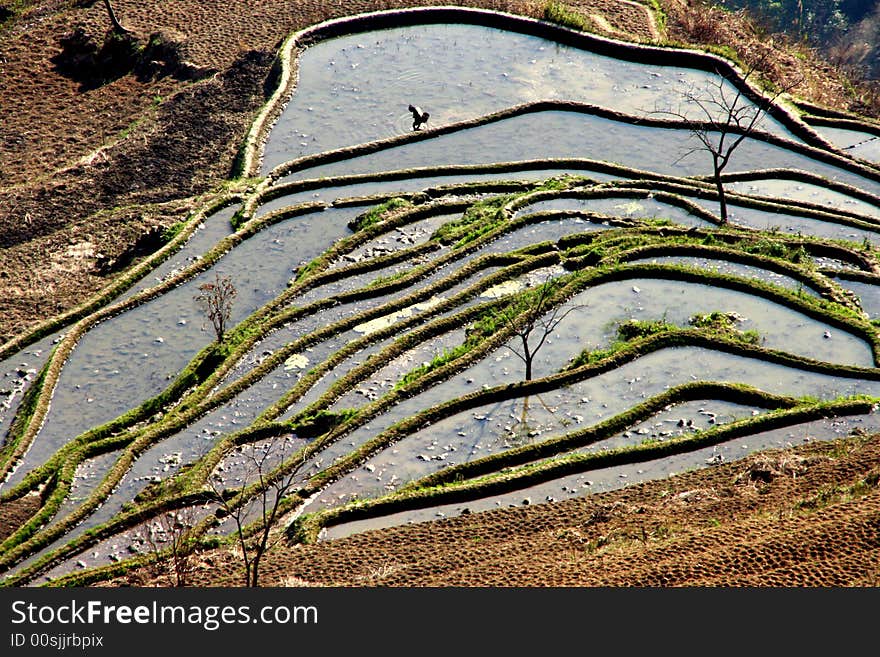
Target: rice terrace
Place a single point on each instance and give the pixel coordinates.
(601, 308)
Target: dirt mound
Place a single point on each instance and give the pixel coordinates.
(92, 65)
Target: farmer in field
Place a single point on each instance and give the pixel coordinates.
(419, 117)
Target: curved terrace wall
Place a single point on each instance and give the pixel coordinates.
(432, 15)
(209, 380)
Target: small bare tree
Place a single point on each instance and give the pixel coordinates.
(215, 299)
(256, 508)
(532, 318)
(172, 541)
(728, 118)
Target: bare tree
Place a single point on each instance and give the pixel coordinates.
(728, 117)
(532, 318)
(215, 299)
(257, 507)
(172, 541)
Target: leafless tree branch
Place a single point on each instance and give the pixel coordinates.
(271, 486)
(530, 317)
(215, 300)
(731, 118)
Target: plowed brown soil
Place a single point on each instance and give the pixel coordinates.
(809, 516)
(86, 170)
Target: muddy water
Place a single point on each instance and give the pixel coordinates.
(679, 420)
(733, 268)
(788, 224)
(214, 228)
(802, 191)
(333, 375)
(30, 360)
(596, 313)
(17, 374)
(606, 479)
(550, 230)
(384, 380)
(88, 475)
(835, 265)
(791, 224)
(859, 144)
(584, 328)
(507, 425)
(356, 88)
(403, 237)
(387, 376)
(166, 458)
(330, 192)
(380, 382)
(288, 333)
(636, 208)
(598, 310)
(209, 232)
(563, 134)
(157, 463)
(131, 357)
(869, 295)
(145, 538)
(545, 231)
(475, 434)
(496, 427)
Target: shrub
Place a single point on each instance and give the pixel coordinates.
(558, 13)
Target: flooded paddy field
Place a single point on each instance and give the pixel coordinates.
(515, 304)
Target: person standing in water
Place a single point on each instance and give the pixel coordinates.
(419, 117)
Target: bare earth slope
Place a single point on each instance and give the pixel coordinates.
(87, 171)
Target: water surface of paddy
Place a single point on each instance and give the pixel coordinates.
(356, 88)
